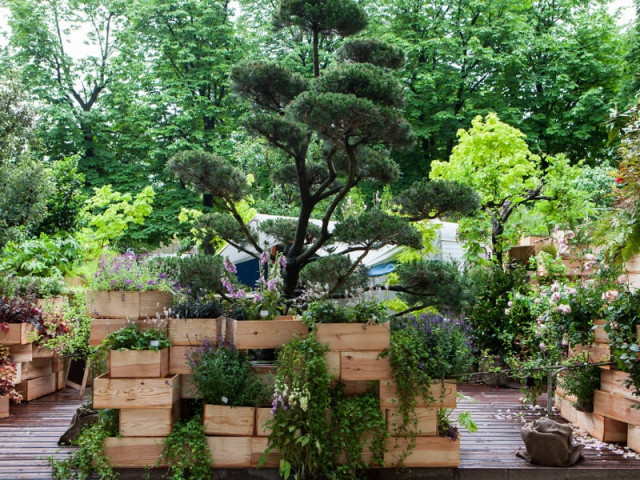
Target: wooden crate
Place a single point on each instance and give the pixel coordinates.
(616, 407)
(138, 363)
(443, 393)
(188, 387)
(332, 359)
(41, 352)
(600, 335)
(21, 353)
(135, 392)
(364, 366)
(602, 428)
(38, 367)
(60, 380)
(58, 363)
(101, 327)
(4, 406)
(354, 337)
(598, 352)
(427, 418)
(229, 421)
(193, 331)
(143, 422)
(178, 359)
(51, 304)
(230, 452)
(134, 452)
(612, 381)
(263, 415)
(133, 305)
(37, 387)
(633, 437)
(533, 240)
(428, 452)
(258, 446)
(255, 334)
(15, 334)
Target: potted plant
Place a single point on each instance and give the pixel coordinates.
(230, 388)
(8, 376)
(18, 318)
(360, 325)
(128, 286)
(250, 308)
(138, 352)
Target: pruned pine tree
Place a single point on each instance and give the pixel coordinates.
(336, 130)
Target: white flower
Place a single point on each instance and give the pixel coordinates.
(555, 296)
(610, 295)
(564, 309)
(542, 346)
(622, 279)
(510, 304)
(537, 301)
(507, 311)
(555, 286)
(590, 257)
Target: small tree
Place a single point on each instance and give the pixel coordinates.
(494, 159)
(336, 131)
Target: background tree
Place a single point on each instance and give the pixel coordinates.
(335, 131)
(549, 68)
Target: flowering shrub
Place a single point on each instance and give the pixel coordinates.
(129, 272)
(8, 371)
(225, 376)
(265, 301)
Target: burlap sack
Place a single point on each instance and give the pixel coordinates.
(549, 443)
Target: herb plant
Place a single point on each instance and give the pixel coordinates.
(225, 376)
(129, 272)
(363, 311)
(133, 337)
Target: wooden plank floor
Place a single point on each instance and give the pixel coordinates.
(30, 435)
(500, 416)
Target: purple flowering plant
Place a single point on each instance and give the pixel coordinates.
(263, 302)
(129, 272)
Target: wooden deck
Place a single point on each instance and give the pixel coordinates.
(30, 435)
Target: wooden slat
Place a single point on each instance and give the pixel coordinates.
(193, 331)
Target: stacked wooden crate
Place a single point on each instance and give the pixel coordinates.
(237, 436)
(620, 403)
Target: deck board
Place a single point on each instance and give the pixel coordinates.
(31, 433)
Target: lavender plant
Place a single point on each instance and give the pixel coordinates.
(129, 272)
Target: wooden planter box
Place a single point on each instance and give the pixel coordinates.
(428, 452)
(616, 407)
(256, 334)
(178, 359)
(4, 406)
(602, 428)
(101, 327)
(16, 334)
(229, 421)
(53, 304)
(38, 367)
(444, 394)
(364, 366)
(258, 446)
(134, 305)
(600, 335)
(135, 392)
(598, 352)
(192, 331)
(142, 422)
(230, 452)
(138, 363)
(21, 353)
(41, 352)
(427, 418)
(188, 388)
(37, 387)
(354, 337)
(612, 381)
(633, 438)
(263, 415)
(134, 452)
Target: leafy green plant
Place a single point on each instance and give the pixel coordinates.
(31, 286)
(133, 337)
(89, 458)
(358, 423)
(360, 311)
(225, 376)
(581, 380)
(186, 451)
(75, 342)
(199, 275)
(300, 428)
(45, 256)
(189, 307)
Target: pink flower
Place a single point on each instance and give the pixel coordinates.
(555, 296)
(622, 279)
(229, 267)
(264, 257)
(610, 295)
(564, 309)
(542, 346)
